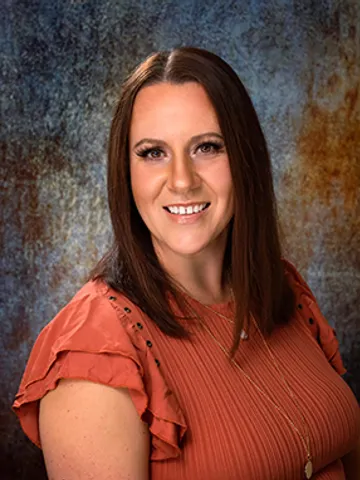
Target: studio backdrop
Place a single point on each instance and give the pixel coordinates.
(62, 62)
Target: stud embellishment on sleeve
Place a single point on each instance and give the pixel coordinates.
(157, 362)
(112, 298)
(311, 321)
(299, 306)
(127, 309)
(139, 325)
(148, 343)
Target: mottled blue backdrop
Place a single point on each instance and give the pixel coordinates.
(62, 64)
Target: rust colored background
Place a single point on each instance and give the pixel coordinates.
(62, 64)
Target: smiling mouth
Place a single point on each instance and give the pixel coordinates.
(190, 210)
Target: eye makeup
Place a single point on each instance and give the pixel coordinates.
(210, 147)
(148, 153)
(148, 149)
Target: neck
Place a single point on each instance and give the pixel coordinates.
(199, 275)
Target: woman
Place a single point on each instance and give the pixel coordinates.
(195, 351)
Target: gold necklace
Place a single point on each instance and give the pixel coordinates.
(243, 334)
(308, 469)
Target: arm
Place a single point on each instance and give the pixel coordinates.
(92, 431)
(351, 463)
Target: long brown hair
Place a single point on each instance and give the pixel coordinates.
(252, 261)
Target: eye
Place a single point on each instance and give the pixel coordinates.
(150, 153)
(210, 147)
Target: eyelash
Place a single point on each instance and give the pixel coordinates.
(145, 152)
(216, 148)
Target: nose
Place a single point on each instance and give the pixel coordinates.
(182, 175)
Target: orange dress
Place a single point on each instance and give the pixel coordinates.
(206, 420)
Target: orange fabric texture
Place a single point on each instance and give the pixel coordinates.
(206, 420)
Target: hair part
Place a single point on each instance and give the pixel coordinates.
(252, 261)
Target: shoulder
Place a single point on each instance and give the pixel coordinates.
(90, 323)
(308, 310)
(94, 321)
(81, 341)
(96, 313)
(97, 337)
(100, 290)
(99, 295)
(294, 277)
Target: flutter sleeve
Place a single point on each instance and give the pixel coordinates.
(91, 339)
(308, 307)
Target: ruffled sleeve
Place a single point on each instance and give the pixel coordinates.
(93, 339)
(308, 308)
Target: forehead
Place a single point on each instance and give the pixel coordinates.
(167, 107)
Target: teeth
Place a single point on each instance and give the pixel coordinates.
(187, 210)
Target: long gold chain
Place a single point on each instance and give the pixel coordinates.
(308, 470)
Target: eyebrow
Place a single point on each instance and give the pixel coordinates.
(196, 138)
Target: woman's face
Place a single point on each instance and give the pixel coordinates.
(180, 174)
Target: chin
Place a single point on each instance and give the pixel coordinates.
(185, 246)
(188, 249)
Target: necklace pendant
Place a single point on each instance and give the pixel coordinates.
(244, 335)
(308, 469)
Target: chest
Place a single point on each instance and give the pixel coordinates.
(254, 420)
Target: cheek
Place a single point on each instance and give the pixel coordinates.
(220, 180)
(144, 185)
(226, 180)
